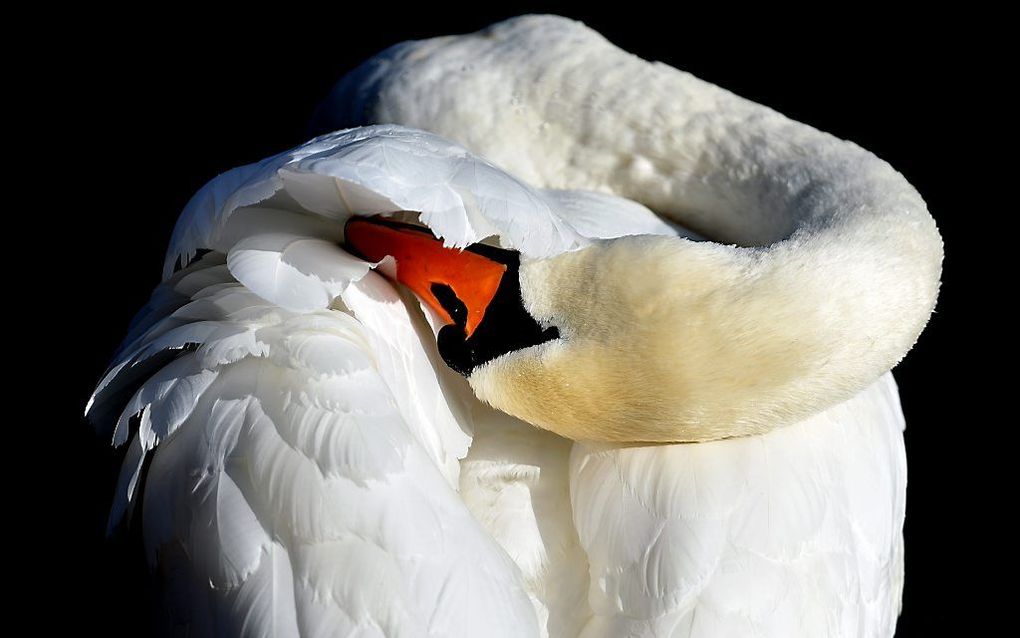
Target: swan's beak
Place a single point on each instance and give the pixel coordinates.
(475, 290)
(458, 284)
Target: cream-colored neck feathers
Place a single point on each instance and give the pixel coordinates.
(671, 340)
(827, 265)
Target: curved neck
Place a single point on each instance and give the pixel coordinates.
(824, 250)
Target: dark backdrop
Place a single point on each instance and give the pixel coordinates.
(147, 108)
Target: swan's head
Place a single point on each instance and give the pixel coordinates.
(647, 338)
(585, 344)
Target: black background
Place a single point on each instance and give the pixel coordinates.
(140, 111)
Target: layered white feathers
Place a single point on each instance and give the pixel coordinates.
(793, 533)
(302, 398)
(312, 469)
(298, 483)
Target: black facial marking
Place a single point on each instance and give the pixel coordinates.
(448, 299)
(507, 326)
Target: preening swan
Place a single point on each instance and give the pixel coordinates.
(593, 252)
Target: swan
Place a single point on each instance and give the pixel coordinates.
(634, 381)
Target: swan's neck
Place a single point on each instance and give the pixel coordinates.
(671, 340)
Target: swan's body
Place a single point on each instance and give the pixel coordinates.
(316, 469)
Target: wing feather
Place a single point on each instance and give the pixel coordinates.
(290, 256)
(283, 466)
(794, 533)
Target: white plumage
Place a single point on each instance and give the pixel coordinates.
(289, 490)
(315, 468)
(778, 535)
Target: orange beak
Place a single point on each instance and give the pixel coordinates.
(424, 265)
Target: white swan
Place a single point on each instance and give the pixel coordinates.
(316, 468)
